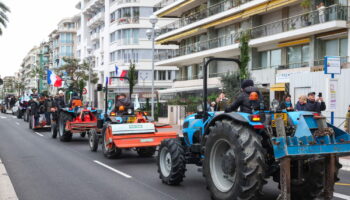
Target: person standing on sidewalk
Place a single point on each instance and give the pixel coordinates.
(347, 120)
(315, 105)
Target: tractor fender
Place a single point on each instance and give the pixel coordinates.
(228, 116)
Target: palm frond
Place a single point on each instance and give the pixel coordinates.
(4, 7)
(3, 22)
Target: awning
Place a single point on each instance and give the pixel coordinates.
(278, 87)
(184, 89)
(294, 42)
(175, 8)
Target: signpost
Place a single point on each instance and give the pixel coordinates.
(332, 66)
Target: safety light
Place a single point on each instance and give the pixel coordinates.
(121, 108)
(255, 118)
(129, 111)
(113, 114)
(145, 113)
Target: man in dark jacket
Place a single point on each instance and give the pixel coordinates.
(59, 101)
(122, 100)
(243, 102)
(315, 105)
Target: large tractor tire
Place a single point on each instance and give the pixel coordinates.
(312, 184)
(171, 162)
(146, 151)
(54, 130)
(93, 140)
(64, 135)
(109, 150)
(234, 164)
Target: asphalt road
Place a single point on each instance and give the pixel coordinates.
(42, 168)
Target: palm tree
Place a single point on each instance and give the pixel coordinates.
(3, 18)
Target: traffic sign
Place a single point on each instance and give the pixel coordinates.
(84, 91)
(332, 65)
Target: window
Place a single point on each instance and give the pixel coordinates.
(336, 47)
(276, 58)
(169, 75)
(263, 59)
(162, 75)
(298, 56)
(271, 58)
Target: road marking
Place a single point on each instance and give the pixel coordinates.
(39, 134)
(3, 117)
(112, 169)
(17, 123)
(341, 196)
(6, 188)
(14, 117)
(343, 184)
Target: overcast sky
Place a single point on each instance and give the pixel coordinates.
(31, 21)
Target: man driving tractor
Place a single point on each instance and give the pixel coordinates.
(122, 103)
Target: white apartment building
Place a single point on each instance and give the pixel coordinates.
(288, 40)
(113, 33)
(30, 62)
(62, 42)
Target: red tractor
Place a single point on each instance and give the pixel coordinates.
(74, 120)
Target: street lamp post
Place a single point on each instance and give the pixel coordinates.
(151, 34)
(89, 50)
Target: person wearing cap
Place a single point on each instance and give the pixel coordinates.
(243, 102)
(122, 100)
(59, 100)
(313, 104)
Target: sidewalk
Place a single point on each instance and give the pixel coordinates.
(345, 161)
(7, 192)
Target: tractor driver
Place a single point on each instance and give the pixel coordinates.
(250, 98)
(122, 101)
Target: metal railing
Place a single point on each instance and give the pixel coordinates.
(202, 14)
(127, 1)
(343, 60)
(164, 3)
(200, 76)
(127, 20)
(331, 13)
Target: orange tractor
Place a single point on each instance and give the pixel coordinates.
(127, 129)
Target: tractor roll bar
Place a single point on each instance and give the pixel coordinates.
(207, 61)
(106, 93)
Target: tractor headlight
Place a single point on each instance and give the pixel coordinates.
(129, 111)
(275, 104)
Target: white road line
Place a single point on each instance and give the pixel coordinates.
(6, 188)
(14, 117)
(112, 169)
(341, 196)
(39, 134)
(17, 123)
(3, 117)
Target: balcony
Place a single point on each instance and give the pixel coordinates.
(164, 3)
(127, 20)
(205, 13)
(200, 76)
(127, 1)
(260, 33)
(96, 20)
(95, 36)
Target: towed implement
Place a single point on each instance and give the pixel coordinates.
(240, 151)
(127, 129)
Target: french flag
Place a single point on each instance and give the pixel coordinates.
(119, 73)
(53, 79)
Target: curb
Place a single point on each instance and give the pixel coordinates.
(6, 188)
(345, 163)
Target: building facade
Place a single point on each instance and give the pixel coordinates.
(112, 33)
(29, 77)
(286, 38)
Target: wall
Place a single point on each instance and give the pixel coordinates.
(316, 81)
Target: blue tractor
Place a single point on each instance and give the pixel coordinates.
(240, 151)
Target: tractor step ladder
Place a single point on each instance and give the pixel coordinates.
(285, 167)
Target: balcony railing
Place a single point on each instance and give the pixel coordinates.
(127, 1)
(164, 3)
(331, 13)
(200, 76)
(126, 20)
(343, 60)
(300, 21)
(202, 14)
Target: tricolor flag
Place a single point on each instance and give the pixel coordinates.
(119, 73)
(53, 79)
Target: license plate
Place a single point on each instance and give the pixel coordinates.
(147, 140)
(131, 119)
(281, 115)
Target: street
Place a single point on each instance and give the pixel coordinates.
(42, 168)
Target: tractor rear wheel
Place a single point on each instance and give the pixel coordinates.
(93, 140)
(64, 135)
(171, 162)
(146, 151)
(53, 130)
(234, 164)
(109, 150)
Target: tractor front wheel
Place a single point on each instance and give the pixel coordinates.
(64, 135)
(93, 140)
(171, 162)
(234, 164)
(109, 150)
(146, 151)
